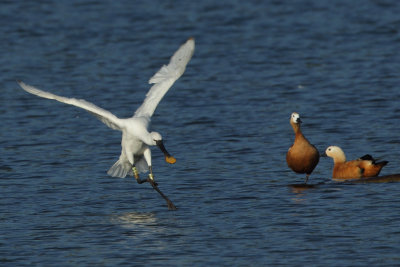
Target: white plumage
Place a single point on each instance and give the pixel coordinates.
(136, 137)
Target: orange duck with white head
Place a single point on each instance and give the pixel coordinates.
(364, 167)
(302, 156)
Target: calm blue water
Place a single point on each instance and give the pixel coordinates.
(226, 121)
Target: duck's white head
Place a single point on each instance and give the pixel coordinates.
(336, 153)
(157, 139)
(295, 118)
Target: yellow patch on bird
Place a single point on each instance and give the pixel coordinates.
(170, 159)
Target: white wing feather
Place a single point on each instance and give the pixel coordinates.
(165, 78)
(105, 116)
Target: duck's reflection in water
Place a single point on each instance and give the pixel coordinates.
(300, 190)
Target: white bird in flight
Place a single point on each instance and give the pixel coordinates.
(136, 139)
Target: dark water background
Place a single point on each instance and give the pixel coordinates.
(226, 120)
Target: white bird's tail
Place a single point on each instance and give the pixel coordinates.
(120, 169)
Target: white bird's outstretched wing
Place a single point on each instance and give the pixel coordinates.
(105, 116)
(165, 78)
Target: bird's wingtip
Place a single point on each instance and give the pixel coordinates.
(191, 43)
(22, 84)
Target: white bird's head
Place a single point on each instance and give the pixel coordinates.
(157, 138)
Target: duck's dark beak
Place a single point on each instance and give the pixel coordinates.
(299, 120)
(168, 158)
(323, 155)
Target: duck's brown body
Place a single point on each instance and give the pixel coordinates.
(302, 156)
(363, 167)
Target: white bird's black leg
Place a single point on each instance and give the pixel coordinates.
(151, 181)
(170, 205)
(136, 174)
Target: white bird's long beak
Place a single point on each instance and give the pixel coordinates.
(168, 158)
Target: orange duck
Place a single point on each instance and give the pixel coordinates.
(364, 167)
(302, 156)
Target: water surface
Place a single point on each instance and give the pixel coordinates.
(226, 121)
